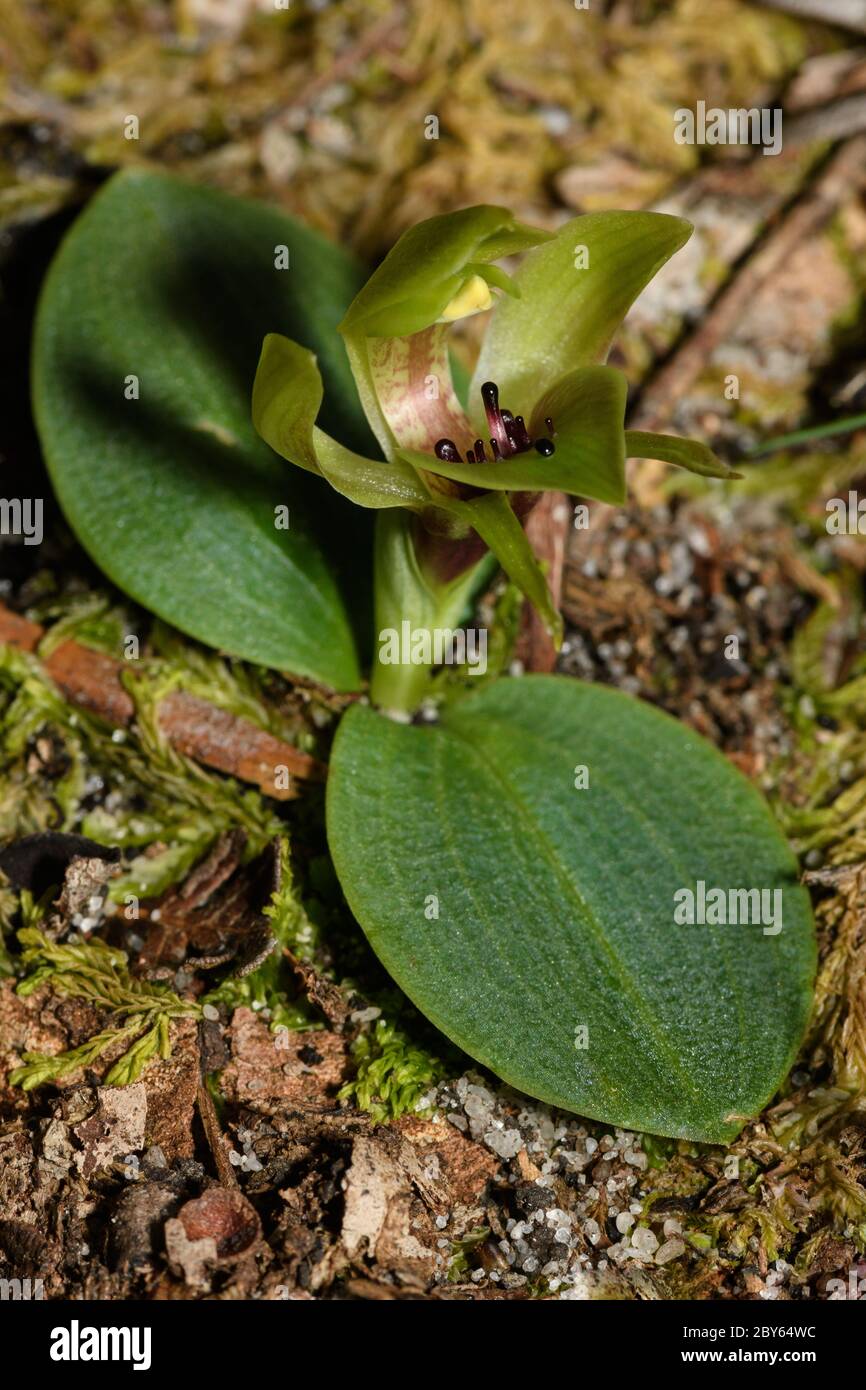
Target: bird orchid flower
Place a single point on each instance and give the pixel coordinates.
(459, 474)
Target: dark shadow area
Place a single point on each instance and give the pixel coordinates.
(25, 253)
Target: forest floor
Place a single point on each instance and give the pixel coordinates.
(309, 1135)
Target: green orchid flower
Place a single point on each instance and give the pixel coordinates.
(458, 479)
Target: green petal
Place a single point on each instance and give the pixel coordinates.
(567, 316)
(498, 527)
(429, 264)
(368, 482)
(287, 397)
(587, 409)
(684, 453)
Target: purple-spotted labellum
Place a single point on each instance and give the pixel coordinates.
(508, 434)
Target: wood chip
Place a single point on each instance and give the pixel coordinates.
(193, 726)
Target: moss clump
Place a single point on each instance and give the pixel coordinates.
(125, 788)
(264, 990)
(393, 1073)
(94, 971)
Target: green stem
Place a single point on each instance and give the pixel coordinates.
(405, 596)
(789, 441)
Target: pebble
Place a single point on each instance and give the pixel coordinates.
(645, 1241)
(591, 1230)
(671, 1250)
(506, 1142)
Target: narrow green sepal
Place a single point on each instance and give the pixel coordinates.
(287, 397)
(683, 453)
(492, 517)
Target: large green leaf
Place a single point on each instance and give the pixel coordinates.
(174, 494)
(556, 903)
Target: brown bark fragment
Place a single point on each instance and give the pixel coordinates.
(321, 992)
(217, 913)
(17, 631)
(217, 1142)
(547, 531)
(457, 1161)
(382, 1219)
(171, 1086)
(114, 1128)
(193, 726)
(305, 1068)
(230, 744)
(839, 181)
(92, 680)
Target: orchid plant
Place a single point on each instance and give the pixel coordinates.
(515, 861)
(458, 477)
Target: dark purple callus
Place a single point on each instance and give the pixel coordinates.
(448, 452)
(508, 434)
(496, 422)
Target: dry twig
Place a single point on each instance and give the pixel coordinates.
(193, 726)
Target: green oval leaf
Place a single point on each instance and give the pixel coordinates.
(173, 494)
(556, 904)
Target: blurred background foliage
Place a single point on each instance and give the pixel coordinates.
(322, 106)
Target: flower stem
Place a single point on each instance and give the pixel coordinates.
(408, 605)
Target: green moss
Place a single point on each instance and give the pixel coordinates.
(155, 794)
(96, 972)
(392, 1073)
(460, 1263)
(658, 1151)
(264, 990)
